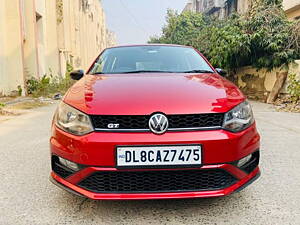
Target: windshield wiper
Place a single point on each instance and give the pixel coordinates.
(147, 71)
(198, 71)
(156, 71)
(135, 71)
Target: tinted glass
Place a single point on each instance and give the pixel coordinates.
(149, 59)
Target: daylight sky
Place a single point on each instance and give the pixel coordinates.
(134, 21)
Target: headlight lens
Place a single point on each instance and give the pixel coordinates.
(239, 118)
(72, 120)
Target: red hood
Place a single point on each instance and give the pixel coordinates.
(142, 94)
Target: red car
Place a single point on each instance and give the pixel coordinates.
(153, 122)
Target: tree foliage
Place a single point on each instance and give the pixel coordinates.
(182, 28)
(263, 38)
(268, 31)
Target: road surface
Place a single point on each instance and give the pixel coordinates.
(27, 197)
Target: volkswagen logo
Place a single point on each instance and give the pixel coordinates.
(158, 123)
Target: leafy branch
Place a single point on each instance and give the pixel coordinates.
(262, 38)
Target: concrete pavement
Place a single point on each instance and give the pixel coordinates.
(27, 197)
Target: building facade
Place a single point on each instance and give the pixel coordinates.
(224, 8)
(39, 37)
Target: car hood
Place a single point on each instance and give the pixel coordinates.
(144, 94)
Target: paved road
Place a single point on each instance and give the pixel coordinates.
(27, 197)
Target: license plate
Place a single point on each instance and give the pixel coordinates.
(135, 156)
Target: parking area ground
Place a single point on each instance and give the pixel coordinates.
(27, 196)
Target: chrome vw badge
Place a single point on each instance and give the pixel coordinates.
(158, 123)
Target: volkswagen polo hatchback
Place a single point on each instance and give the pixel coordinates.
(153, 122)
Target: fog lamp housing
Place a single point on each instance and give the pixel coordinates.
(70, 165)
(244, 161)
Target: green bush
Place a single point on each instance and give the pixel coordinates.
(262, 38)
(49, 84)
(294, 87)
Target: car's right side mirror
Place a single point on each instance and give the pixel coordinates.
(77, 74)
(221, 72)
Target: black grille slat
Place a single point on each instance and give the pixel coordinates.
(157, 181)
(175, 121)
(196, 120)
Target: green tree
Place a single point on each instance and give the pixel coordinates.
(269, 33)
(263, 38)
(181, 29)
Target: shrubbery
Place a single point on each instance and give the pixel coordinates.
(262, 38)
(294, 87)
(49, 84)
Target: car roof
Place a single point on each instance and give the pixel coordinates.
(138, 45)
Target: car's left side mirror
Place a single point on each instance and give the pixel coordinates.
(221, 72)
(77, 74)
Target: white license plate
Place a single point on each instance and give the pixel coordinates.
(159, 156)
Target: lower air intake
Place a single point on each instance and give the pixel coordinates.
(157, 181)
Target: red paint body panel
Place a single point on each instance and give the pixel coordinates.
(98, 149)
(145, 94)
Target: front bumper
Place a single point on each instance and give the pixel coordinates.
(96, 151)
(241, 184)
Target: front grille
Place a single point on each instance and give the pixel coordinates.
(157, 181)
(59, 169)
(125, 122)
(175, 121)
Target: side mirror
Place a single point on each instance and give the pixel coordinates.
(221, 72)
(77, 74)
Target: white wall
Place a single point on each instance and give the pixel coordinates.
(263, 80)
(288, 4)
(2, 41)
(11, 67)
(51, 38)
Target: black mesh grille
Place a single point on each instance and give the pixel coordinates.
(59, 169)
(197, 120)
(175, 121)
(157, 181)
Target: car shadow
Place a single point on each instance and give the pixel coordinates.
(167, 204)
(171, 211)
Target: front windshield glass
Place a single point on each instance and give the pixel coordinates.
(137, 59)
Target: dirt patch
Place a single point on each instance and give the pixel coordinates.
(285, 104)
(10, 107)
(6, 99)
(27, 105)
(4, 112)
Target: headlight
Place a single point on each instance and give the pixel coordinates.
(239, 118)
(72, 120)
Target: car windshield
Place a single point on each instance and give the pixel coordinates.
(152, 59)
